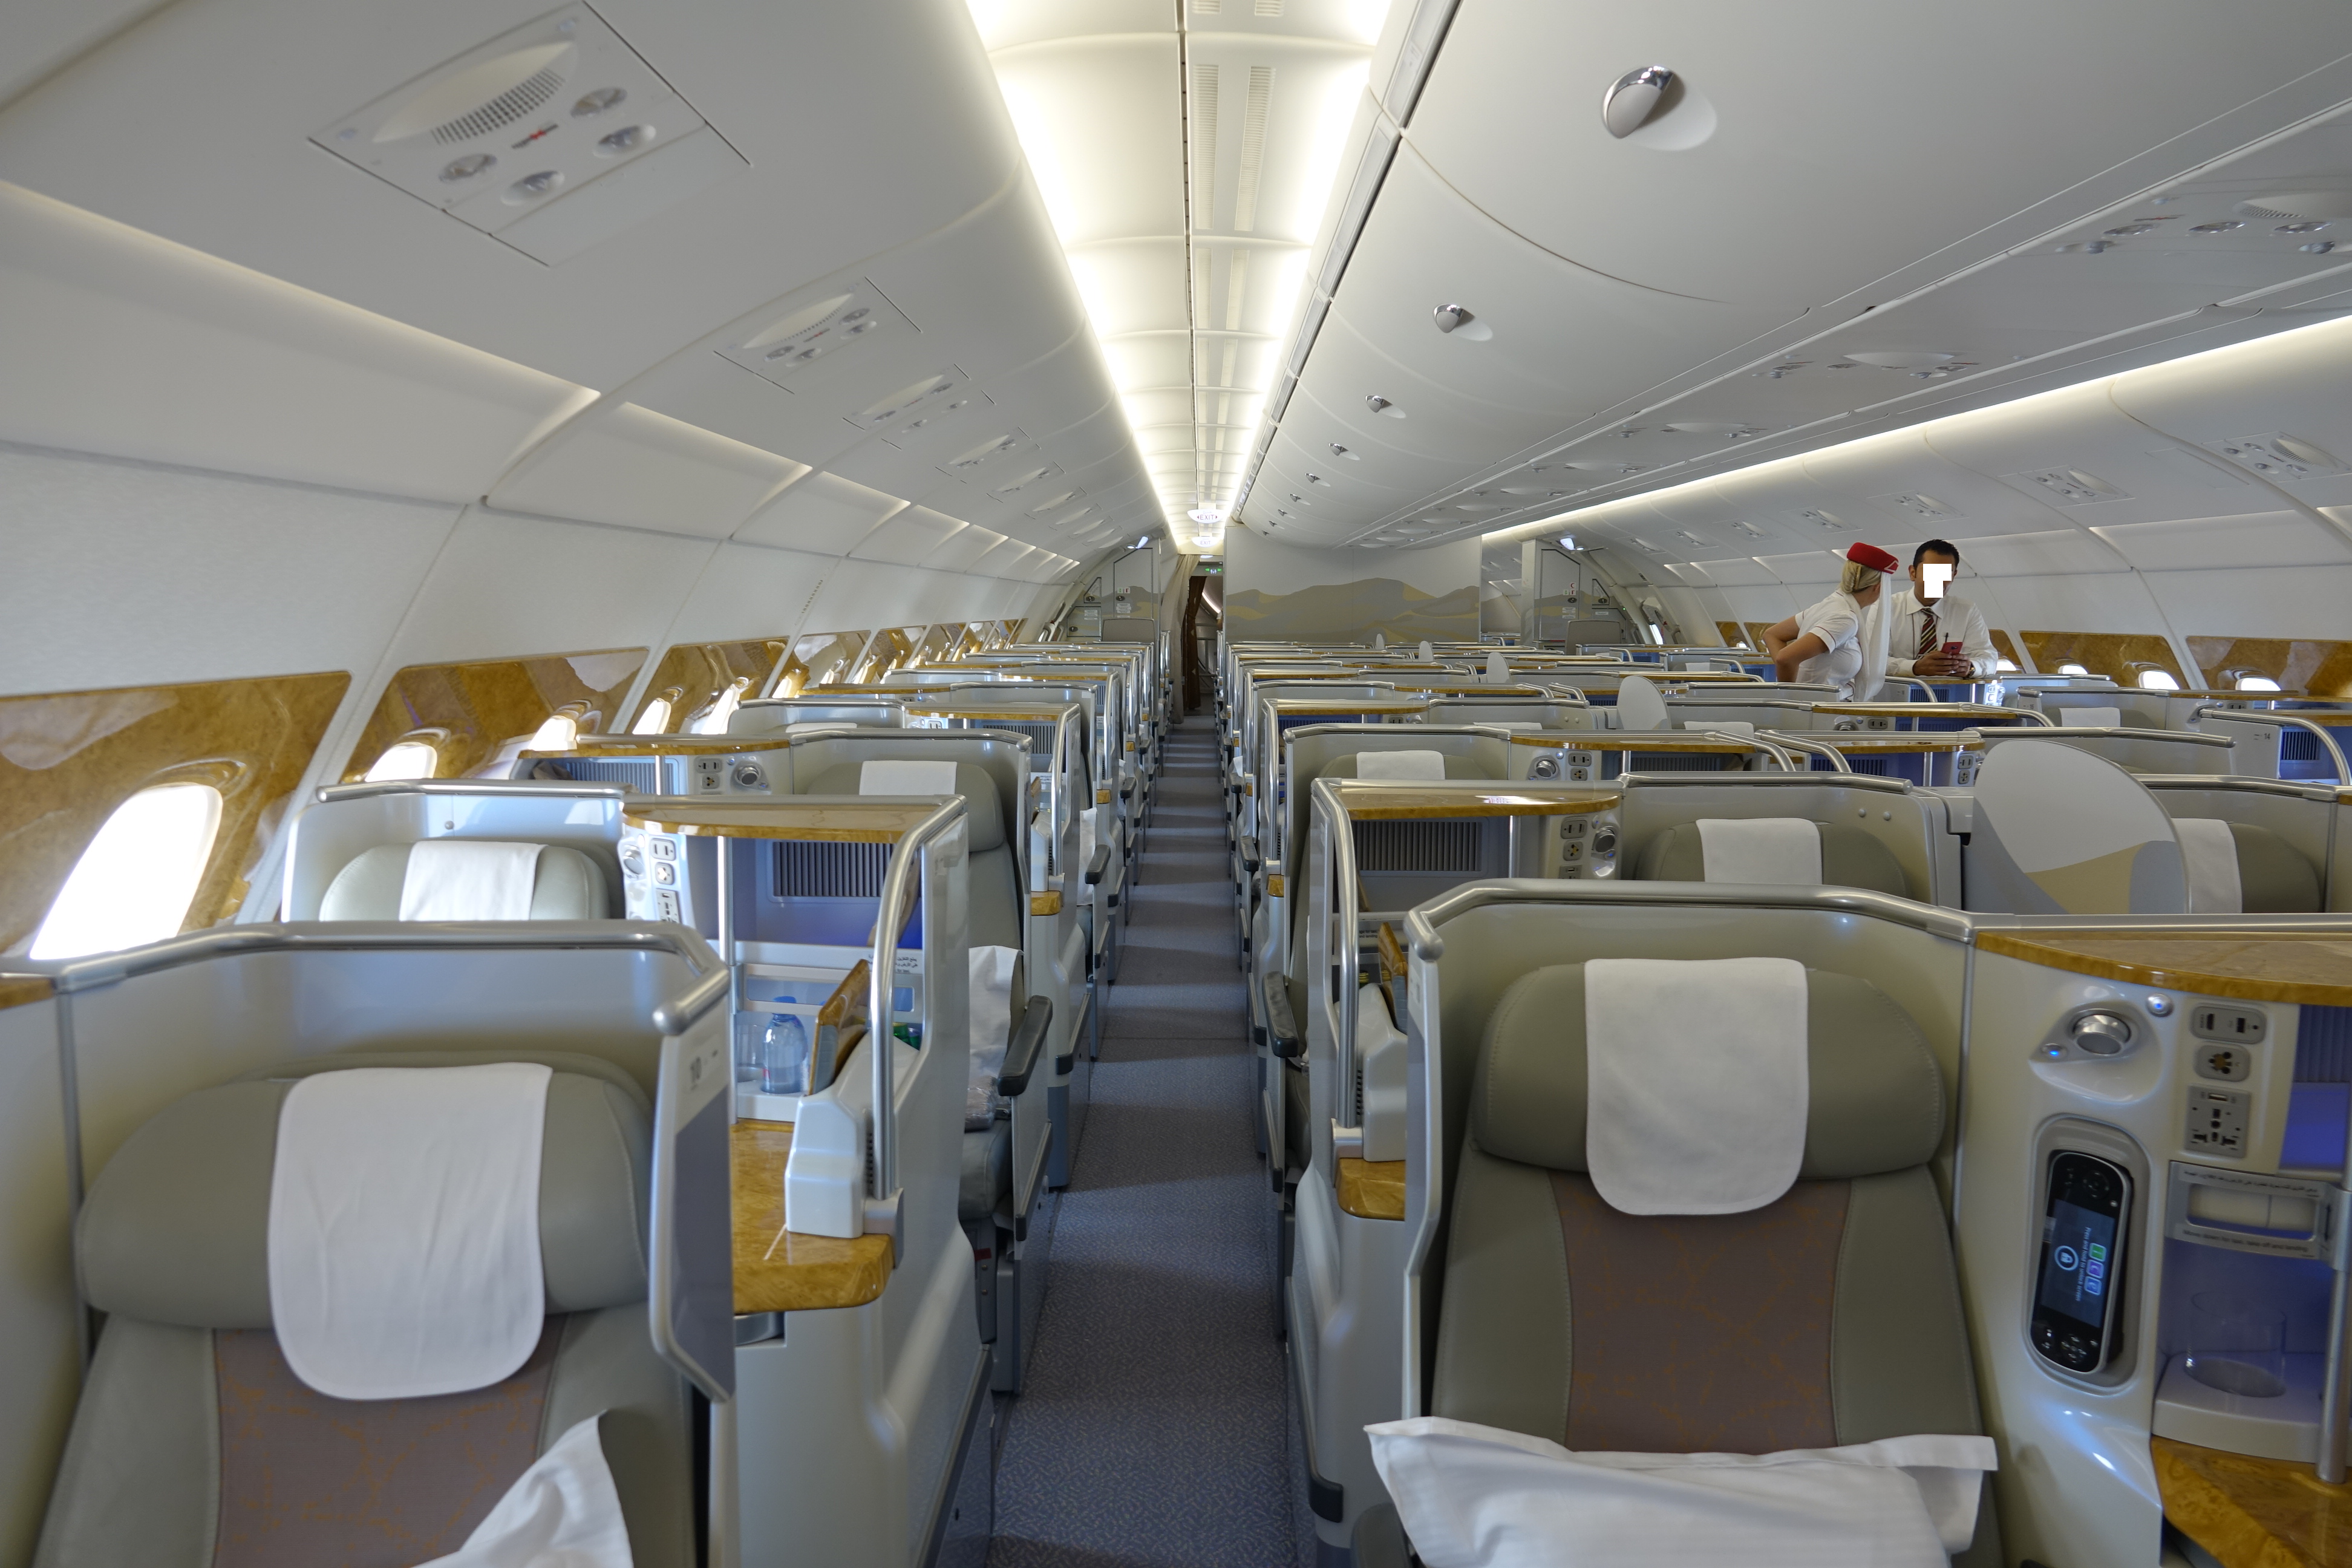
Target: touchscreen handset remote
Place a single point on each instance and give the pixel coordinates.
(2077, 1287)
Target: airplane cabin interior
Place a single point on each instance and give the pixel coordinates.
(1175, 784)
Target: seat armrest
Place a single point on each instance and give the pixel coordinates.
(1380, 1539)
(1282, 1030)
(1020, 1052)
(1098, 865)
(1250, 856)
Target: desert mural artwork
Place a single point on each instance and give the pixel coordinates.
(1352, 612)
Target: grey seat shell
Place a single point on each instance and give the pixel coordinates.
(2273, 877)
(193, 1444)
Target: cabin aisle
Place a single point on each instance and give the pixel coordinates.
(1156, 1427)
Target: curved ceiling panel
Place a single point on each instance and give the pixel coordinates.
(120, 342)
(1796, 165)
(633, 467)
(1558, 341)
(899, 97)
(820, 512)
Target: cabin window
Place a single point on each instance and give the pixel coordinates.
(2257, 683)
(2005, 666)
(134, 884)
(712, 720)
(2157, 681)
(491, 711)
(559, 733)
(653, 718)
(2121, 656)
(69, 761)
(406, 760)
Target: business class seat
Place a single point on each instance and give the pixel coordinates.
(567, 885)
(1850, 859)
(1567, 1319)
(195, 1443)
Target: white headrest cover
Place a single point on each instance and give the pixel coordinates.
(1697, 1083)
(1782, 849)
(1421, 766)
(907, 778)
(468, 879)
(403, 1228)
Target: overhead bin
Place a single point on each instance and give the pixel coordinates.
(1753, 192)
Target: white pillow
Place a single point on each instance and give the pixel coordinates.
(1478, 1496)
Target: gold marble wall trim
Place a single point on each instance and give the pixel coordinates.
(487, 703)
(68, 759)
(692, 675)
(817, 658)
(2314, 667)
(2102, 653)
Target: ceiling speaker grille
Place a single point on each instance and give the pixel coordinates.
(504, 109)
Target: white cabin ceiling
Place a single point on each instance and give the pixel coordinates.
(1186, 149)
(872, 165)
(1933, 188)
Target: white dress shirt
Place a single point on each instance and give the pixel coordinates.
(1957, 620)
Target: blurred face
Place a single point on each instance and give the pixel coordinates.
(1933, 574)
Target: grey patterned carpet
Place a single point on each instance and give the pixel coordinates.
(1157, 1426)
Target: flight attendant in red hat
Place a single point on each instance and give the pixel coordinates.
(1840, 642)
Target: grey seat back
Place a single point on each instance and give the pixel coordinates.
(194, 1443)
(1850, 859)
(567, 885)
(994, 881)
(1831, 1316)
(2275, 877)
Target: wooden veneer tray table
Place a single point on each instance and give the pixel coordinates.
(1372, 800)
(2254, 1513)
(2249, 966)
(1371, 1189)
(826, 819)
(780, 1270)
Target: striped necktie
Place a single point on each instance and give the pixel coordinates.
(1928, 631)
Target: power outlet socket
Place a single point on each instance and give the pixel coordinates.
(2217, 1122)
(2225, 1064)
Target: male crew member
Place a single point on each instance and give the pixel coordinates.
(1923, 618)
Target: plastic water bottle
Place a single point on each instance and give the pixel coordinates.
(784, 1057)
